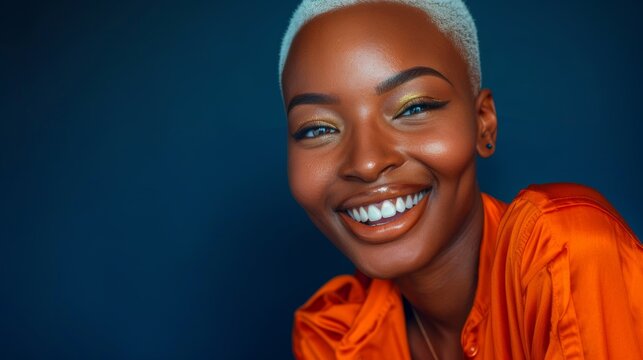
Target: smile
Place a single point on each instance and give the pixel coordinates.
(385, 220)
(385, 211)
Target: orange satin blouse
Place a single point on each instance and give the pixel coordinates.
(560, 277)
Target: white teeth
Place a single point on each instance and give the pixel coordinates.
(374, 213)
(399, 205)
(355, 214)
(388, 209)
(363, 215)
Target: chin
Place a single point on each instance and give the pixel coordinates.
(384, 272)
(387, 267)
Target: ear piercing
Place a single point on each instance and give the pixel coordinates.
(489, 146)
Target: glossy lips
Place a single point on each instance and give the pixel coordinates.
(385, 220)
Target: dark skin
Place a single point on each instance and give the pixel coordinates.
(380, 105)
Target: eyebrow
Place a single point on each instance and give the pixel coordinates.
(385, 86)
(407, 75)
(311, 98)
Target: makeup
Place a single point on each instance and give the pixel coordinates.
(380, 228)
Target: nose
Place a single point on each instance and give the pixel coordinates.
(370, 151)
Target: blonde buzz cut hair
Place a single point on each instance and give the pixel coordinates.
(451, 17)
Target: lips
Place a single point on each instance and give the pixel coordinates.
(381, 220)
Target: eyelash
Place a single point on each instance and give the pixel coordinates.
(311, 130)
(423, 104)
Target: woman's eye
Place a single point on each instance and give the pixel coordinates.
(414, 109)
(421, 107)
(313, 132)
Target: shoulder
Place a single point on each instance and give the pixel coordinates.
(544, 220)
(554, 197)
(570, 261)
(566, 209)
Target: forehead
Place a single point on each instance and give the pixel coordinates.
(366, 43)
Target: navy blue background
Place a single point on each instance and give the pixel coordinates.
(144, 206)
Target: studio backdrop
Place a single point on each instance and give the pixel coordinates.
(144, 205)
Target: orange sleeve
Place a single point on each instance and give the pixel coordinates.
(351, 318)
(576, 276)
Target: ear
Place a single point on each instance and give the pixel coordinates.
(487, 123)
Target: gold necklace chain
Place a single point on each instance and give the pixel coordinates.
(424, 334)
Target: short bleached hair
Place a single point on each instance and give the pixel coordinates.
(451, 17)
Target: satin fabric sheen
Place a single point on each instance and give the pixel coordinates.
(560, 277)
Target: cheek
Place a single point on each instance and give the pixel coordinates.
(309, 177)
(449, 151)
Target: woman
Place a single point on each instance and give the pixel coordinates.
(386, 118)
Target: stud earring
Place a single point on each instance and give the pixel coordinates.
(489, 146)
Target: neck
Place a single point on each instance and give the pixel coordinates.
(442, 292)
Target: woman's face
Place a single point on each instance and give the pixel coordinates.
(384, 132)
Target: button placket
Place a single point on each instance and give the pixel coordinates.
(471, 347)
(470, 344)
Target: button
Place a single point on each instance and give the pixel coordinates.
(472, 350)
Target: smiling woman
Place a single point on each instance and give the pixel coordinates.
(386, 118)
